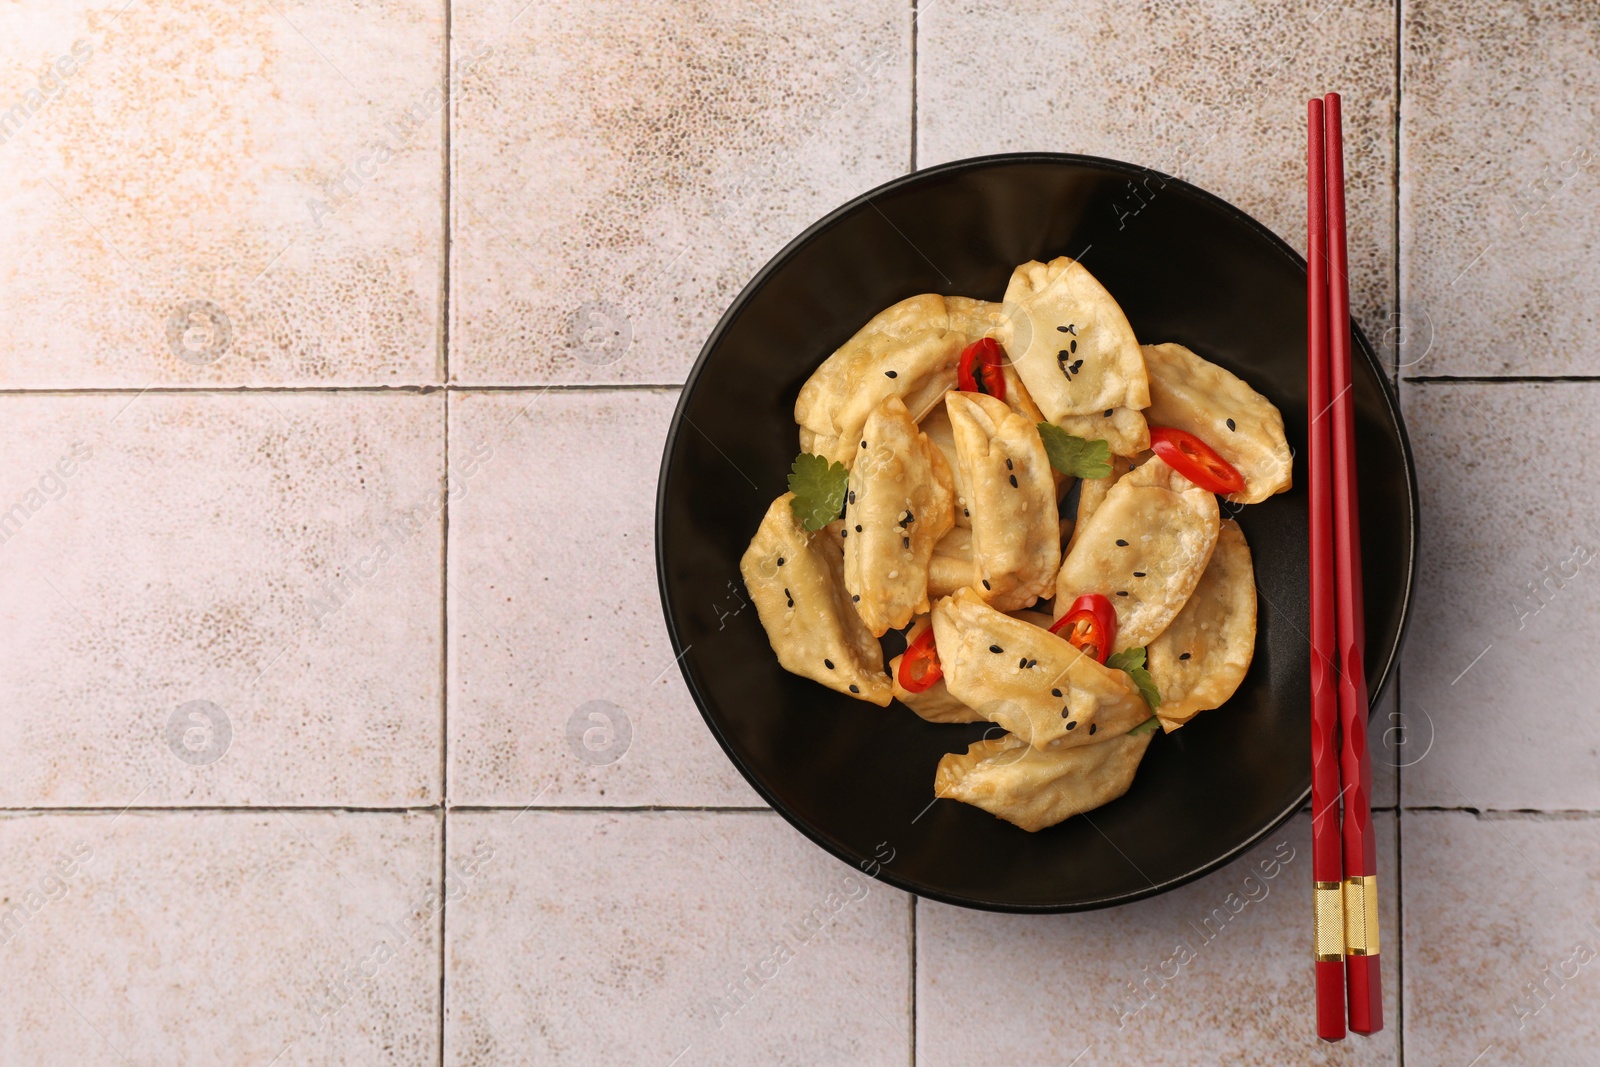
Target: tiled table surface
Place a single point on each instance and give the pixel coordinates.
(340, 340)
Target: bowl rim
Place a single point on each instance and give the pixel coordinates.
(819, 836)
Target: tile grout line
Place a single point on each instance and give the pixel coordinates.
(448, 236)
(915, 14)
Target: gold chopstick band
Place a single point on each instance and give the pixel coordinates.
(1329, 923)
(1361, 915)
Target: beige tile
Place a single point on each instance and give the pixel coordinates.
(1502, 943)
(1508, 592)
(1214, 94)
(220, 599)
(173, 213)
(1224, 965)
(1498, 220)
(669, 937)
(622, 170)
(563, 683)
(204, 938)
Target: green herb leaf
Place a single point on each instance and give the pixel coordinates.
(1074, 455)
(818, 489)
(1132, 660)
(1146, 727)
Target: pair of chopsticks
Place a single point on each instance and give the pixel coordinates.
(1344, 865)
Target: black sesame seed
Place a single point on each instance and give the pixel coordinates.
(1009, 466)
(1184, 656)
(1071, 725)
(967, 512)
(852, 496)
(910, 517)
(1108, 412)
(986, 583)
(1073, 346)
(1121, 543)
(905, 542)
(1055, 692)
(1061, 356)
(1022, 664)
(780, 561)
(856, 599)
(858, 527)
(1093, 727)
(828, 663)
(1032, 663)
(855, 689)
(1014, 481)
(1075, 363)
(1138, 574)
(1231, 426)
(844, 533)
(863, 444)
(1122, 592)
(1064, 329)
(890, 374)
(996, 649)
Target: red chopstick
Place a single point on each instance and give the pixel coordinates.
(1327, 867)
(1355, 767)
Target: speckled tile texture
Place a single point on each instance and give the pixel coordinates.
(622, 169)
(1215, 972)
(1213, 93)
(214, 193)
(338, 346)
(213, 599)
(1498, 216)
(1497, 676)
(289, 938)
(670, 937)
(563, 684)
(1502, 939)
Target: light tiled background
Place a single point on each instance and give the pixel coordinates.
(338, 348)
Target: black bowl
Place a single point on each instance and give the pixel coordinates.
(858, 779)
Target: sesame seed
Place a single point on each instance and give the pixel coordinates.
(890, 374)
(1074, 347)
(1108, 412)
(1032, 663)
(1093, 727)
(1008, 465)
(1121, 543)
(863, 444)
(1184, 656)
(966, 512)
(1014, 481)
(996, 649)
(905, 542)
(858, 527)
(1122, 592)
(855, 689)
(1231, 425)
(894, 574)
(828, 663)
(852, 496)
(780, 561)
(844, 533)
(1071, 724)
(986, 583)
(1138, 574)
(1022, 664)
(1055, 692)
(856, 599)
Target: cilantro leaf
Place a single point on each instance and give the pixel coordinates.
(1074, 455)
(1132, 661)
(818, 489)
(1146, 727)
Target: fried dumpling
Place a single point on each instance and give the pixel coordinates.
(1011, 491)
(909, 350)
(951, 566)
(797, 583)
(936, 424)
(1007, 777)
(897, 508)
(1028, 680)
(1198, 662)
(1190, 393)
(935, 702)
(1144, 549)
(1071, 343)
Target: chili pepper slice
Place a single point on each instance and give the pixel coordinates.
(919, 667)
(1195, 460)
(1090, 626)
(979, 369)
